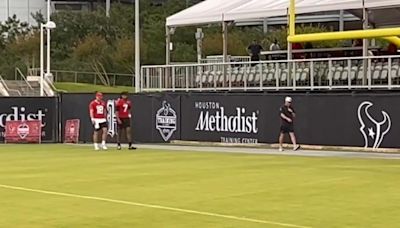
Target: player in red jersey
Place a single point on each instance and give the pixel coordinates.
(123, 113)
(98, 115)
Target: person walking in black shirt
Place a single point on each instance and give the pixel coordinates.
(287, 115)
(254, 50)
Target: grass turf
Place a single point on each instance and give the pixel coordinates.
(89, 88)
(312, 192)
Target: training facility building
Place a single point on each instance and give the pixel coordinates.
(24, 9)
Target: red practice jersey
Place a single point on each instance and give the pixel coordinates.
(98, 109)
(124, 108)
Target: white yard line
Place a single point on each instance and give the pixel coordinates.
(154, 206)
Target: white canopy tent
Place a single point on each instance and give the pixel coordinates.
(207, 12)
(382, 13)
(216, 11)
(264, 9)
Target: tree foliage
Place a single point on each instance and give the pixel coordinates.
(89, 41)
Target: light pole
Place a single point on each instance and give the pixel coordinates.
(108, 6)
(49, 25)
(8, 9)
(48, 72)
(137, 46)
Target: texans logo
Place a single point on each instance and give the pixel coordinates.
(372, 130)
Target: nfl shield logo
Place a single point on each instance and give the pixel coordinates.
(166, 121)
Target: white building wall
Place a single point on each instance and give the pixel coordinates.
(22, 8)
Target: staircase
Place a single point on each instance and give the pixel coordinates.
(23, 88)
(26, 86)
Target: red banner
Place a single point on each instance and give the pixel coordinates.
(23, 131)
(72, 128)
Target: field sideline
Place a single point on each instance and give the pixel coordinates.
(73, 186)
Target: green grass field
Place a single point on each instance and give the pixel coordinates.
(73, 186)
(89, 88)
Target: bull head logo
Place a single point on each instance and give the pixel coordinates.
(372, 130)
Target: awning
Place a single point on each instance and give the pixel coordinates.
(215, 11)
(206, 12)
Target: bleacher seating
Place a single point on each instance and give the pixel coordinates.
(339, 73)
(270, 73)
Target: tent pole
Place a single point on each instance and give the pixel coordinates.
(265, 26)
(225, 49)
(225, 41)
(341, 20)
(365, 44)
(199, 42)
(167, 44)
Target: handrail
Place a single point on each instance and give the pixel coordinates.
(370, 72)
(85, 72)
(33, 70)
(275, 61)
(7, 88)
(81, 72)
(53, 87)
(83, 76)
(17, 70)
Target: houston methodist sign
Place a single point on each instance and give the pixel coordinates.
(229, 122)
(219, 121)
(20, 114)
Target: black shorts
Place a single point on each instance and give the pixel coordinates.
(125, 123)
(101, 126)
(287, 129)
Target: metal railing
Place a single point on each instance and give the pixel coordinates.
(115, 79)
(7, 88)
(53, 87)
(220, 59)
(380, 72)
(18, 75)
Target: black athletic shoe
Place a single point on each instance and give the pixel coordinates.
(296, 148)
(132, 148)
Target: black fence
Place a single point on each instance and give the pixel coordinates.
(371, 120)
(44, 109)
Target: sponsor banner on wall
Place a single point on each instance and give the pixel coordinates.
(23, 131)
(27, 109)
(227, 119)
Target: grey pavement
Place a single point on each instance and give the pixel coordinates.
(288, 152)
